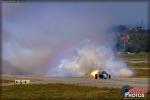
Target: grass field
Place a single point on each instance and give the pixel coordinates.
(6, 81)
(59, 92)
(141, 73)
(135, 56)
(138, 65)
(140, 69)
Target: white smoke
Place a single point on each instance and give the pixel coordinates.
(89, 58)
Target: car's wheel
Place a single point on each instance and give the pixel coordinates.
(96, 76)
(109, 77)
(100, 76)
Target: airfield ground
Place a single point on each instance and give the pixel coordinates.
(83, 81)
(61, 92)
(77, 88)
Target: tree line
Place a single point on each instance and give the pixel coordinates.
(132, 39)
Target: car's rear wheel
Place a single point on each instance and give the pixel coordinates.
(96, 76)
(109, 77)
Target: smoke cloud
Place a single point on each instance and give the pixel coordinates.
(91, 57)
(18, 59)
(49, 38)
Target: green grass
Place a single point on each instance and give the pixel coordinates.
(138, 72)
(138, 65)
(135, 56)
(58, 92)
